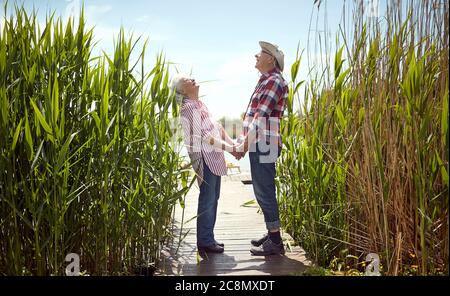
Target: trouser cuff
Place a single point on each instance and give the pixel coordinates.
(273, 225)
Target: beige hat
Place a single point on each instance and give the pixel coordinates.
(274, 51)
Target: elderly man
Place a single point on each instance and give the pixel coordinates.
(261, 137)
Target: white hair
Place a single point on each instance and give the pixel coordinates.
(175, 86)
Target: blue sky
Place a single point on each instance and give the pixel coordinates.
(213, 40)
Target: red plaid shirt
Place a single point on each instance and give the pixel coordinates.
(267, 106)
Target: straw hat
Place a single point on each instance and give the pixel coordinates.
(274, 51)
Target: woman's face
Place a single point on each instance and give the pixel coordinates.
(189, 87)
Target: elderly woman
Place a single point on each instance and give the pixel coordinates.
(205, 140)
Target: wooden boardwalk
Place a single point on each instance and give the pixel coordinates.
(235, 226)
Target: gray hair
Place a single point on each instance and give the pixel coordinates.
(175, 86)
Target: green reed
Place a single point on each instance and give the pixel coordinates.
(365, 163)
(85, 161)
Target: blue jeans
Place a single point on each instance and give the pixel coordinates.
(263, 178)
(207, 207)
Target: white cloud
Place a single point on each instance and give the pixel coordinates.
(231, 80)
(235, 78)
(228, 77)
(237, 69)
(143, 19)
(92, 12)
(157, 28)
(72, 9)
(105, 35)
(93, 15)
(97, 10)
(146, 26)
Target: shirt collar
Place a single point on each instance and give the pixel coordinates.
(191, 101)
(271, 72)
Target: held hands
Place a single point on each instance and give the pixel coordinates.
(237, 155)
(235, 148)
(239, 150)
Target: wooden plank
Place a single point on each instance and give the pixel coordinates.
(229, 247)
(235, 227)
(240, 250)
(248, 269)
(233, 260)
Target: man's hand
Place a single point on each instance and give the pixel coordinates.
(237, 155)
(242, 148)
(238, 151)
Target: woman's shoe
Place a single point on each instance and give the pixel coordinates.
(215, 248)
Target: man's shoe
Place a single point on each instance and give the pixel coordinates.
(267, 248)
(220, 244)
(258, 242)
(215, 248)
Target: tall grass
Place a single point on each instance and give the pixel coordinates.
(365, 164)
(85, 161)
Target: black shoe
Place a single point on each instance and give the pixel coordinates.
(215, 248)
(258, 242)
(220, 244)
(267, 248)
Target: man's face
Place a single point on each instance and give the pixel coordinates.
(264, 60)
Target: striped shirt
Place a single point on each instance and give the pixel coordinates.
(266, 107)
(198, 126)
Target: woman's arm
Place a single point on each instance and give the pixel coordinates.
(220, 143)
(225, 136)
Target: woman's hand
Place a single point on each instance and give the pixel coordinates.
(238, 151)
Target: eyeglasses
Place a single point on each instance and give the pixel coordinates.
(266, 52)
